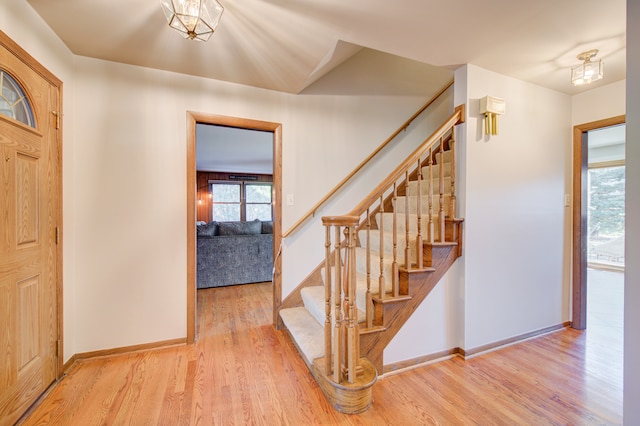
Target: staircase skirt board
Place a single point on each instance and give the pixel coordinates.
(420, 283)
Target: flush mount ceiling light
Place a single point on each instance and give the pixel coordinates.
(589, 70)
(193, 19)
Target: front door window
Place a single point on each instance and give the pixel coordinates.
(13, 101)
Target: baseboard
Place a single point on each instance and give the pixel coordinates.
(421, 361)
(126, 349)
(67, 365)
(512, 340)
(410, 364)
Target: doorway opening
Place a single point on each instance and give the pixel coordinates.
(595, 228)
(193, 120)
(606, 235)
(606, 186)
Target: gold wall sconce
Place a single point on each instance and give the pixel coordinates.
(491, 107)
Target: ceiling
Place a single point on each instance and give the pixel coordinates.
(233, 150)
(606, 144)
(607, 136)
(297, 46)
(348, 47)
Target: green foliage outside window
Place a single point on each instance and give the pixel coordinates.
(231, 204)
(606, 201)
(606, 214)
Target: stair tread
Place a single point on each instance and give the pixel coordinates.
(374, 329)
(392, 299)
(441, 244)
(313, 298)
(306, 332)
(436, 195)
(418, 270)
(400, 217)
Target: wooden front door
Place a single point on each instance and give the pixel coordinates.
(29, 213)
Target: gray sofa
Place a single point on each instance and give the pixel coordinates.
(230, 253)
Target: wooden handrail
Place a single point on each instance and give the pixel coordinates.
(456, 118)
(335, 189)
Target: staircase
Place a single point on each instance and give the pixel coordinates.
(382, 260)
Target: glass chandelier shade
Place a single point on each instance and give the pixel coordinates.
(193, 19)
(589, 71)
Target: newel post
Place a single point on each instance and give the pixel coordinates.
(342, 350)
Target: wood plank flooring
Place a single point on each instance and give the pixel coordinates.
(242, 371)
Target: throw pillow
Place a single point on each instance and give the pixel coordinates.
(253, 227)
(267, 227)
(240, 228)
(208, 230)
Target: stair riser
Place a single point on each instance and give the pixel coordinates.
(447, 157)
(424, 186)
(387, 223)
(374, 241)
(374, 237)
(361, 277)
(361, 267)
(313, 299)
(435, 170)
(413, 204)
(388, 248)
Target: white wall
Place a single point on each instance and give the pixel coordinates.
(124, 179)
(24, 26)
(130, 171)
(514, 276)
(632, 255)
(516, 225)
(596, 104)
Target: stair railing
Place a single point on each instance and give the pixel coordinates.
(341, 328)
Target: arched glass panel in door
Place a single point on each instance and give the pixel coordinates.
(13, 101)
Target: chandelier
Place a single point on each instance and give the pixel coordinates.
(193, 19)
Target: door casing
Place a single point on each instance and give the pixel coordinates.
(194, 118)
(579, 218)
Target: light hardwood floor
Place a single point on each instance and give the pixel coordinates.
(243, 371)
